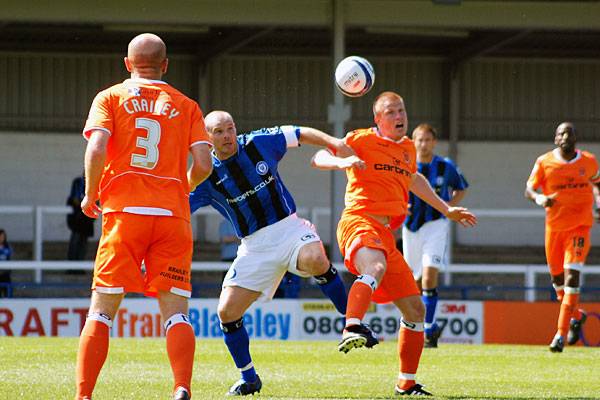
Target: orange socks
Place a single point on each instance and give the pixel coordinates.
(181, 344)
(93, 349)
(359, 299)
(567, 308)
(410, 346)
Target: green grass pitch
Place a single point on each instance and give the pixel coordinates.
(43, 368)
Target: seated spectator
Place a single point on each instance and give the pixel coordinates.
(5, 255)
(81, 226)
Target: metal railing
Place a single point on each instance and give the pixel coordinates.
(528, 272)
(40, 212)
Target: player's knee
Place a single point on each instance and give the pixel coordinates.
(376, 270)
(227, 313)
(428, 283)
(415, 312)
(313, 263)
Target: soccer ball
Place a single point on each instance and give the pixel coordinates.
(354, 76)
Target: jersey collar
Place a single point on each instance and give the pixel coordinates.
(143, 80)
(433, 159)
(556, 154)
(376, 130)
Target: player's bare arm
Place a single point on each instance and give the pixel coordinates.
(539, 198)
(324, 160)
(201, 167)
(421, 187)
(95, 155)
(319, 138)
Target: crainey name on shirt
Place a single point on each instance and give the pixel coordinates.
(141, 104)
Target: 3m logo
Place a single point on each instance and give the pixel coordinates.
(454, 309)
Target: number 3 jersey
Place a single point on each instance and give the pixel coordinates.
(152, 127)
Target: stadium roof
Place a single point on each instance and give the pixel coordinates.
(453, 29)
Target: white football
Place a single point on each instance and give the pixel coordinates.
(354, 76)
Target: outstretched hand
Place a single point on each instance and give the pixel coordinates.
(462, 216)
(90, 207)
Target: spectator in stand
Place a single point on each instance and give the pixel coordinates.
(5, 255)
(81, 226)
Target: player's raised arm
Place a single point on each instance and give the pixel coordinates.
(316, 137)
(323, 159)
(420, 187)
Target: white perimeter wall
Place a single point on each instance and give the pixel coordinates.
(37, 169)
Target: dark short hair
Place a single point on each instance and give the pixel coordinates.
(427, 128)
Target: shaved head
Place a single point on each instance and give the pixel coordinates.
(214, 118)
(222, 133)
(385, 96)
(147, 56)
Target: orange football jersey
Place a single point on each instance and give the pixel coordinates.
(152, 126)
(572, 182)
(382, 188)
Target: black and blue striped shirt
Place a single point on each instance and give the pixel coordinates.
(246, 188)
(444, 177)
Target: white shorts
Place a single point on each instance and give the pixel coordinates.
(264, 256)
(426, 247)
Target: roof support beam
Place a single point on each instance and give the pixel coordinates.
(486, 44)
(472, 14)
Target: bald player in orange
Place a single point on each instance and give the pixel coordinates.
(566, 177)
(140, 133)
(379, 179)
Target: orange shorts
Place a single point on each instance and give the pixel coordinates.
(355, 231)
(164, 244)
(567, 249)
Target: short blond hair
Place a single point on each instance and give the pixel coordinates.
(425, 128)
(382, 97)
